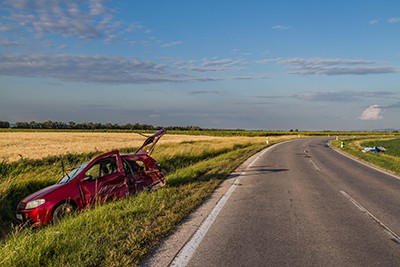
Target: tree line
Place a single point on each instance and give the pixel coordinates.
(4, 124)
(90, 126)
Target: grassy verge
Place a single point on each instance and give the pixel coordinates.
(122, 232)
(389, 160)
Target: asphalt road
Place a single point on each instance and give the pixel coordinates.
(304, 204)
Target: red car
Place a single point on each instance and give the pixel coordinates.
(108, 176)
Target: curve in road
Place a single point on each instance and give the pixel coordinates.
(303, 204)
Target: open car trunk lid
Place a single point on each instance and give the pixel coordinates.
(150, 142)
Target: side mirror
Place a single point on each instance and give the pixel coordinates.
(87, 178)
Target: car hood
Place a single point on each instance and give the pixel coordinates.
(150, 142)
(42, 193)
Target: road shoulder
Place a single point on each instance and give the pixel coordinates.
(164, 254)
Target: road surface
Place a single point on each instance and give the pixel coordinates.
(304, 204)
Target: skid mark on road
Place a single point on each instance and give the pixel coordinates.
(391, 233)
(315, 165)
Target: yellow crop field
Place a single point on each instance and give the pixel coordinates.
(37, 145)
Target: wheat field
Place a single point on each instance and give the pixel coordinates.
(37, 145)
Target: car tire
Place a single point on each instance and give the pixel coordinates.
(61, 211)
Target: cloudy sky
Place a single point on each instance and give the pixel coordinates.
(279, 64)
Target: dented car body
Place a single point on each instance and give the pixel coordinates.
(107, 177)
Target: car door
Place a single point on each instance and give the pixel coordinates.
(103, 180)
(150, 142)
(139, 178)
(148, 173)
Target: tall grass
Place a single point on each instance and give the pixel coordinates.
(19, 179)
(121, 233)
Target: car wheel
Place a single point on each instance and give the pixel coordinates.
(63, 210)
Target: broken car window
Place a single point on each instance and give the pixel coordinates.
(103, 168)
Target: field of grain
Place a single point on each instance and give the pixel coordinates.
(36, 145)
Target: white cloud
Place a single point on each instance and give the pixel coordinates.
(344, 96)
(394, 20)
(331, 66)
(97, 7)
(211, 65)
(239, 52)
(90, 68)
(36, 22)
(281, 27)
(373, 112)
(251, 77)
(374, 22)
(82, 20)
(119, 70)
(133, 27)
(170, 44)
(225, 62)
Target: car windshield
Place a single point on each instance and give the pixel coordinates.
(70, 176)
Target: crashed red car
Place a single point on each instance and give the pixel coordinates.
(107, 177)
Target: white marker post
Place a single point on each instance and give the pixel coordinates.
(266, 139)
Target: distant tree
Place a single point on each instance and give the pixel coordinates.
(194, 128)
(4, 124)
(92, 126)
(35, 125)
(23, 125)
(48, 125)
(71, 125)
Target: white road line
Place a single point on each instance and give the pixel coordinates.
(184, 256)
(392, 234)
(186, 253)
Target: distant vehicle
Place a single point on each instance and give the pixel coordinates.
(107, 177)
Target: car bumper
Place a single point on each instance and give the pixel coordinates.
(35, 217)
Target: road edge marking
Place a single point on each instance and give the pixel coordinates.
(187, 251)
(391, 233)
(184, 256)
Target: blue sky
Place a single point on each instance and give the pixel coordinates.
(278, 65)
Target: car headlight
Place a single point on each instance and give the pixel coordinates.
(34, 203)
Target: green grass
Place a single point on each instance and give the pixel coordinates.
(119, 233)
(392, 145)
(24, 177)
(388, 160)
